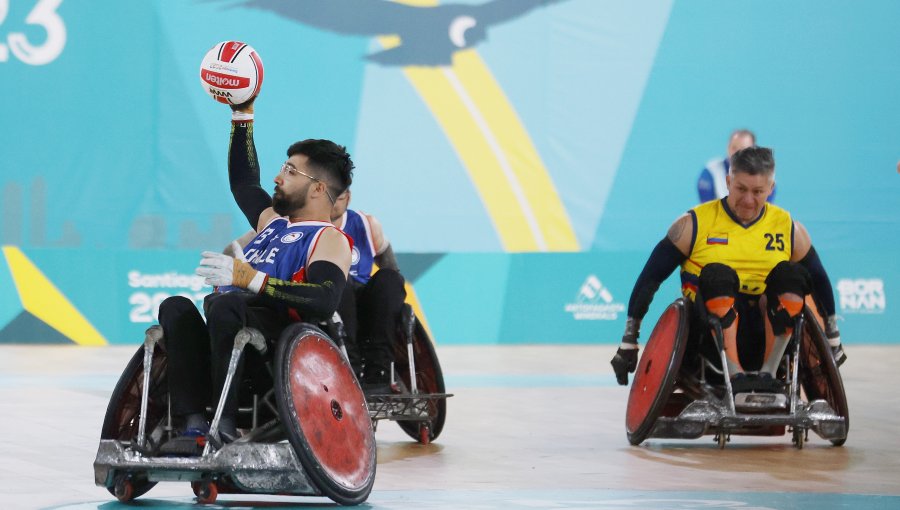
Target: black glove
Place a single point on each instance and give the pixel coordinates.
(834, 340)
(626, 358)
(623, 362)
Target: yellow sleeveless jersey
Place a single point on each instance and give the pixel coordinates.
(751, 250)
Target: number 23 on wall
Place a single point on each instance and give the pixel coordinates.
(45, 16)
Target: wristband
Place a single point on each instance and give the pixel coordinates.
(237, 116)
(258, 282)
(243, 276)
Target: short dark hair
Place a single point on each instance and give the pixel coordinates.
(754, 161)
(330, 158)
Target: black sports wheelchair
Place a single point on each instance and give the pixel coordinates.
(681, 393)
(308, 428)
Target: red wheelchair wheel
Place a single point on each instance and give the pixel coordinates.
(819, 375)
(323, 411)
(654, 379)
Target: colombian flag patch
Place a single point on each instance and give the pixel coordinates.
(717, 239)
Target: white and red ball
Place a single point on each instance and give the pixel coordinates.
(231, 72)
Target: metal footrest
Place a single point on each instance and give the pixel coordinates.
(760, 402)
(404, 407)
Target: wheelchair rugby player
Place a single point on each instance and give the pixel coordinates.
(731, 355)
(286, 417)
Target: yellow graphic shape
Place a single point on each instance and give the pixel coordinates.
(43, 300)
(496, 150)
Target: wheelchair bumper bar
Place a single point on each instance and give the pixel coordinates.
(705, 416)
(252, 467)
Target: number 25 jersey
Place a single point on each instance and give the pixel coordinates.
(751, 250)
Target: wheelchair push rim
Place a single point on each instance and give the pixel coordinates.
(324, 414)
(654, 378)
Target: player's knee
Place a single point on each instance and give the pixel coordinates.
(787, 277)
(175, 306)
(387, 282)
(718, 287)
(718, 280)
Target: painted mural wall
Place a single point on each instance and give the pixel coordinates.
(524, 156)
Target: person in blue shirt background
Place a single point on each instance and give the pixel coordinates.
(711, 184)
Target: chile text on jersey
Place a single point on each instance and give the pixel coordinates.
(282, 249)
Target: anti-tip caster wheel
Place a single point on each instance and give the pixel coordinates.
(721, 439)
(124, 489)
(206, 491)
(799, 438)
(424, 434)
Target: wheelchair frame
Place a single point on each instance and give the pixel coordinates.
(418, 401)
(314, 391)
(668, 400)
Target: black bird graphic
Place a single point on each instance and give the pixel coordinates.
(429, 35)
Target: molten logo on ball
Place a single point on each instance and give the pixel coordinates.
(225, 81)
(245, 72)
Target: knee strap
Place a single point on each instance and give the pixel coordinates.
(786, 278)
(723, 308)
(718, 287)
(783, 312)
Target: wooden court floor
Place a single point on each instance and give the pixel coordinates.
(529, 427)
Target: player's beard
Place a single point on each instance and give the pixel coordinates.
(284, 204)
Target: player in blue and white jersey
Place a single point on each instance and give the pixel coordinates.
(371, 303)
(295, 268)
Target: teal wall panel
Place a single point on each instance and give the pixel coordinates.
(114, 158)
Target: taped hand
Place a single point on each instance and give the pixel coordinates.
(221, 270)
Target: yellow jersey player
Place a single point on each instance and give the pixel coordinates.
(745, 261)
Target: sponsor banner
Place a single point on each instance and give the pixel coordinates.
(467, 298)
(526, 183)
(583, 297)
(861, 295)
(532, 297)
(594, 302)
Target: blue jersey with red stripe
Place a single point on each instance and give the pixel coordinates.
(282, 249)
(357, 226)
